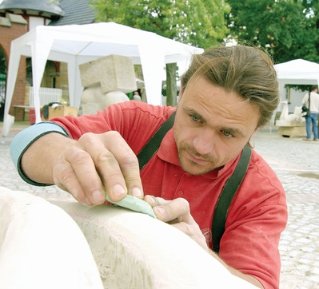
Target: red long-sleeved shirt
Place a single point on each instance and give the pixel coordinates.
(257, 214)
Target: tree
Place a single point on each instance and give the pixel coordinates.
(288, 29)
(196, 22)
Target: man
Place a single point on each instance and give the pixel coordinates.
(227, 94)
(311, 101)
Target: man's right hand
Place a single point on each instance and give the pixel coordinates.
(88, 168)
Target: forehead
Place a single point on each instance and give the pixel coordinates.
(214, 103)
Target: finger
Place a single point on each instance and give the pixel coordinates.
(185, 228)
(155, 201)
(193, 231)
(77, 174)
(177, 213)
(106, 166)
(116, 164)
(65, 179)
(128, 163)
(177, 209)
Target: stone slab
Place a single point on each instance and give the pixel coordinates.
(112, 73)
(42, 247)
(15, 18)
(5, 22)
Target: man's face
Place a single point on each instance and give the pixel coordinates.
(212, 126)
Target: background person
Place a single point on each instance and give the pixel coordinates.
(312, 98)
(226, 95)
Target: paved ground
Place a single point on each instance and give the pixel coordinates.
(297, 165)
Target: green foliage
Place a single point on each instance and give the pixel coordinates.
(196, 22)
(3, 64)
(288, 29)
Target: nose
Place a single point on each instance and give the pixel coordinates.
(203, 143)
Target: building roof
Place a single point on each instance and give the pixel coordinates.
(45, 8)
(75, 12)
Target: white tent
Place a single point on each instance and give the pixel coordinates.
(77, 44)
(298, 71)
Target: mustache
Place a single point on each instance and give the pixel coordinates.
(191, 150)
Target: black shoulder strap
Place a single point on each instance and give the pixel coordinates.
(153, 144)
(226, 196)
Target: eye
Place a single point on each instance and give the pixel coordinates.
(227, 133)
(195, 117)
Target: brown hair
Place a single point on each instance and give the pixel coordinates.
(248, 71)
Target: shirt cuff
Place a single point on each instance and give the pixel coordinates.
(25, 138)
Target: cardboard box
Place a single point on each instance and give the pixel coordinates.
(62, 110)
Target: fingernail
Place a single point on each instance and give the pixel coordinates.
(137, 192)
(118, 191)
(98, 197)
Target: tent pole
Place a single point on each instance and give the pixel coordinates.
(171, 87)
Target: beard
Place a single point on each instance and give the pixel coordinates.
(193, 162)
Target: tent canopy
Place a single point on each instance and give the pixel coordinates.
(298, 71)
(77, 44)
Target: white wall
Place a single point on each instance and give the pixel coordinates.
(35, 21)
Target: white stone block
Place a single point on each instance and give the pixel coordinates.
(93, 99)
(135, 251)
(112, 73)
(42, 247)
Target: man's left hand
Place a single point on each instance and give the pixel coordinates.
(177, 213)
